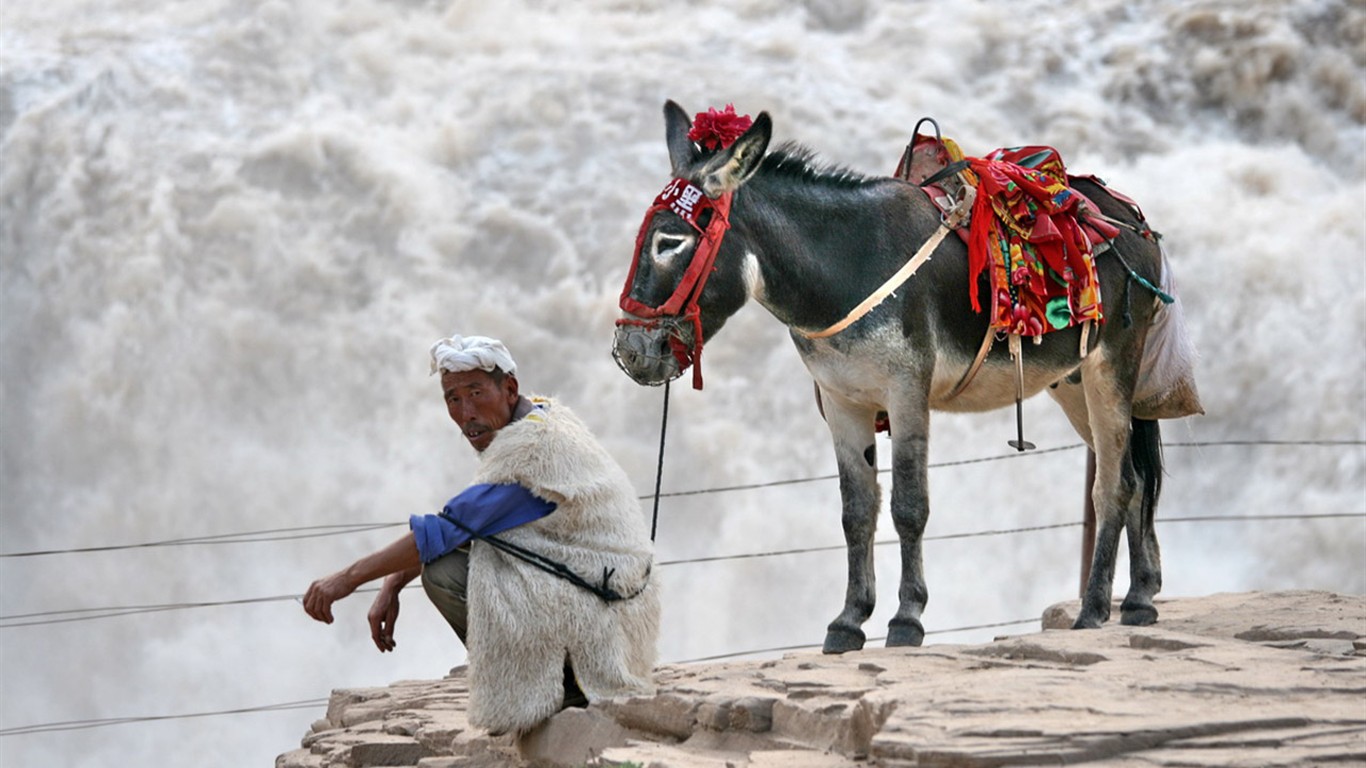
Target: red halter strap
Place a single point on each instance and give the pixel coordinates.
(688, 201)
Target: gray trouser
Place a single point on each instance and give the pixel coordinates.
(444, 579)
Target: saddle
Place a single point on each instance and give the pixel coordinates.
(1036, 235)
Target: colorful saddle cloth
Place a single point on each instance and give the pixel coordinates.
(1024, 229)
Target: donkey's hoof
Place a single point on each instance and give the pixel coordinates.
(1137, 615)
(1089, 621)
(842, 640)
(904, 632)
(1093, 613)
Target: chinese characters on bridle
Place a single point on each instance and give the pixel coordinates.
(679, 314)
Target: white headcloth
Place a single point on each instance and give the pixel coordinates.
(470, 353)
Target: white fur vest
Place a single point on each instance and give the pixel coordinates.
(523, 621)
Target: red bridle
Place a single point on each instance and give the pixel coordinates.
(688, 201)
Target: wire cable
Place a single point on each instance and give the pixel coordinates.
(84, 614)
(881, 471)
(315, 531)
(247, 537)
(343, 528)
(77, 725)
(737, 654)
(75, 614)
(72, 725)
(72, 614)
(1006, 531)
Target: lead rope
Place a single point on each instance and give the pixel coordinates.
(659, 472)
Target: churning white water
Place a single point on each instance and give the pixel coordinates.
(229, 231)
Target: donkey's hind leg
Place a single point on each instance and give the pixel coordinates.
(1145, 561)
(851, 428)
(1071, 396)
(1108, 408)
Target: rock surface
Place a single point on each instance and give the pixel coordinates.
(1247, 679)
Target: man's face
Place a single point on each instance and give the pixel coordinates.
(479, 404)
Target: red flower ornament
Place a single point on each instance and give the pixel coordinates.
(718, 129)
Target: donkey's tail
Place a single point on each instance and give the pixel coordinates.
(1145, 451)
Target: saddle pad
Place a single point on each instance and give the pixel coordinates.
(1024, 225)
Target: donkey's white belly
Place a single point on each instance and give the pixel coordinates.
(992, 388)
(878, 372)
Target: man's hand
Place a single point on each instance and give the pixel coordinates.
(399, 561)
(383, 617)
(324, 592)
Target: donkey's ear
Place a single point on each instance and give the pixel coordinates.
(677, 125)
(730, 168)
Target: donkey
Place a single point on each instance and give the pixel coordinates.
(808, 242)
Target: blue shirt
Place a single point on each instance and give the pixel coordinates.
(485, 509)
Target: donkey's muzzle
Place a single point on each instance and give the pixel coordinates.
(644, 353)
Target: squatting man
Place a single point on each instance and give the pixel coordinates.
(546, 492)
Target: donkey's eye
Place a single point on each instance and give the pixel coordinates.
(666, 247)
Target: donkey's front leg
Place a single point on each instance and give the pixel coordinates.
(910, 513)
(856, 454)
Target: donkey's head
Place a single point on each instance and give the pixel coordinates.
(685, 278)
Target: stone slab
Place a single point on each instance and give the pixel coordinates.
(1231, 679)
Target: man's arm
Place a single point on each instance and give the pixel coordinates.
(399, 559)
(383, 614)
(484, 509)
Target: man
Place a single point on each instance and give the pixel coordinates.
(542, 567)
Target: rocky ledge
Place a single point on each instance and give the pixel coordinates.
(1254, 679)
